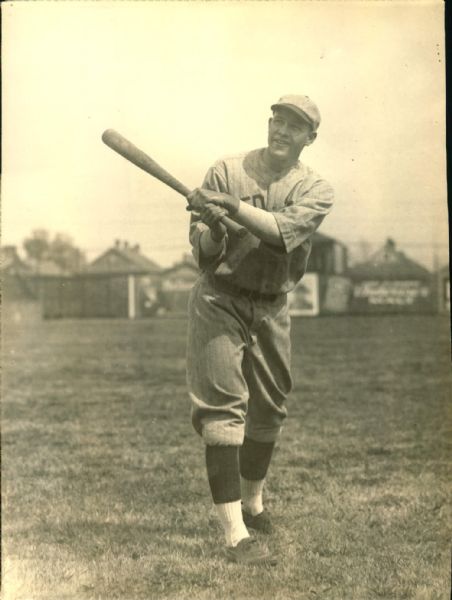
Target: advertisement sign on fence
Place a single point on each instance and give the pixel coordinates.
(391, 295)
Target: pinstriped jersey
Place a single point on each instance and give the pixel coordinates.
(299, 200)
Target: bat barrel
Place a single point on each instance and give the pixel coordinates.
(122, 146)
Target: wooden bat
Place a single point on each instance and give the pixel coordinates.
(119, 144)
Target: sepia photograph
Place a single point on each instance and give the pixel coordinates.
(225, 301)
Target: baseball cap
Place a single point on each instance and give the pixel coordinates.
(303, 106)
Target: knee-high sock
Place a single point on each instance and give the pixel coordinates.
(224, 480)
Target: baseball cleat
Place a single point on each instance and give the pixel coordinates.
(260, 522)
(249, 552)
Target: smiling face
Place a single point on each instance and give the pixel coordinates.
(288, 134)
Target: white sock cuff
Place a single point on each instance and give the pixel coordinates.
(229, 512)
(251, 488)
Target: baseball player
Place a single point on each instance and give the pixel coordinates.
(238, 349)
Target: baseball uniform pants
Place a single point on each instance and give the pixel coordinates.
(238, 364)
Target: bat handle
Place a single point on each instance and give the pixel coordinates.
(234, 227)
(230, 225)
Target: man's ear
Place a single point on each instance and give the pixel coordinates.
(311, 138)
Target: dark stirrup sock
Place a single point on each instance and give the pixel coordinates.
(223, 473)
(255, 459)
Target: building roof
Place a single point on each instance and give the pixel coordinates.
(186, 265)
(49, 268)
(389, 263)
(320, 239)
(122, 258)
(11, 262)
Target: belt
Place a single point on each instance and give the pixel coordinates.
(235, 290)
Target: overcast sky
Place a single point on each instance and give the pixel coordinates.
(189, 82)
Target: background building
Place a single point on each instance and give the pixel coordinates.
(390, 282)
(175, 285)
(121, 282)
(324, 288)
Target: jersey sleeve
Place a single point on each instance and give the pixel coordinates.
(214, 180)
(304, 213)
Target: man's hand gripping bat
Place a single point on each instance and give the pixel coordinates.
(136, 156)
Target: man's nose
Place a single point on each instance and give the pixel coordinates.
(283, 128)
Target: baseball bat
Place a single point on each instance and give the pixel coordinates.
(122, 146)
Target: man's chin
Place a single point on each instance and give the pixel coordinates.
(279, 152)
(280, 156)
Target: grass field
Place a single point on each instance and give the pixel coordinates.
(105, 494)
